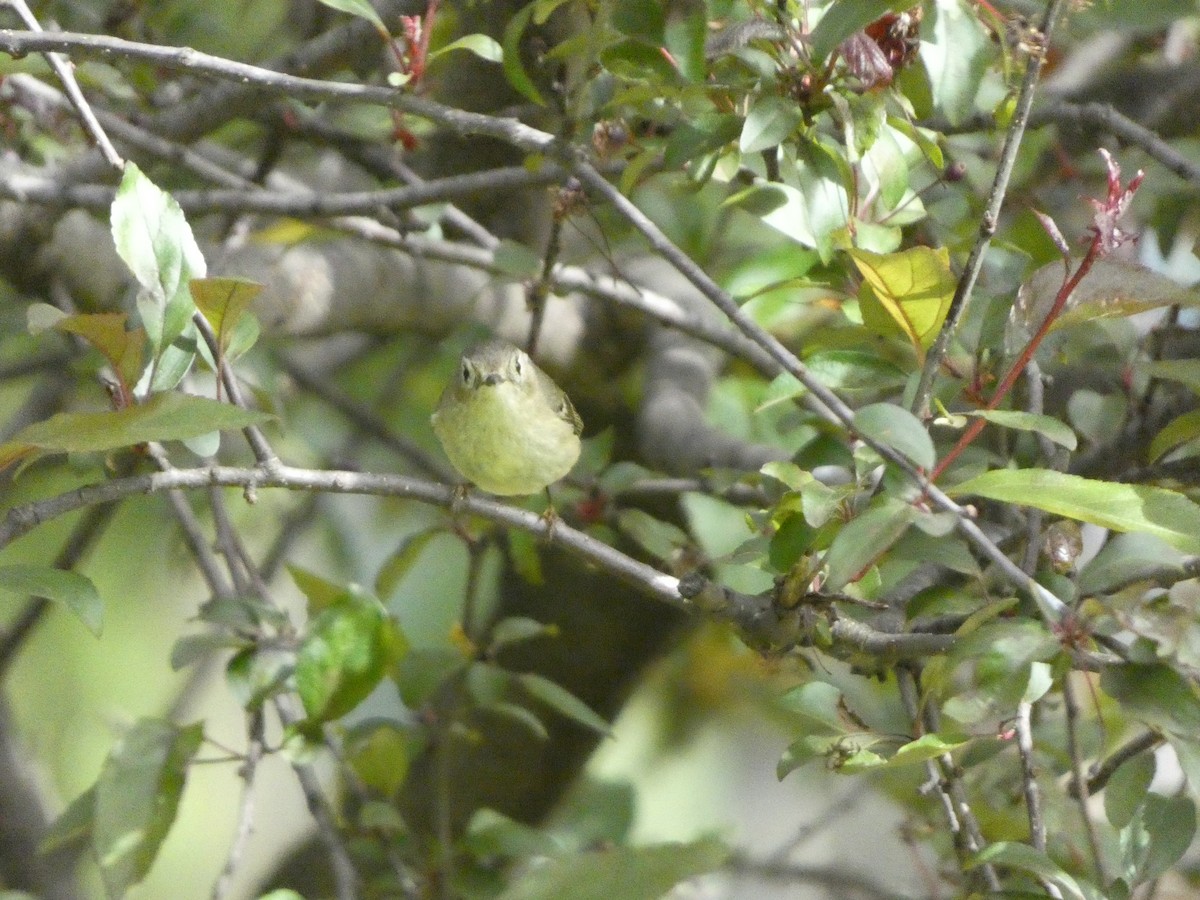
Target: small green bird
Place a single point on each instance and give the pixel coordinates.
(504, 423)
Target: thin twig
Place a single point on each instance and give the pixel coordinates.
(1079, 782)
(943, 779)
(1032, 793)
(843, 883)
(1100, 773)
(193, 532)
(991, 214)
(1094, 252)
(186, 59)
(63, 69)
(254, 437)
(345, 876)
(1033, 796)
(364, 418)
(245, 817)
(380, 161)
(304, 203)
(1102, 115)
(958, 794)
(539, 292)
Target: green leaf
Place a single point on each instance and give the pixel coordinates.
(74, 591)
(1112, 288)
(1097, 417)
(804, 750)
(422, 671)
(344, 655)
(895, 427)
(510, 43)
(124, 350)
(517, 629)
(543, 8)
(926, 747)
(791, 539)
(521, 715)
(658, 538)
(855, 372)
(818, 705)
(1169, 824)
(321, 593)
(525, 553)
(73, 828)
(153, 238)
(925, 139)
(1121, 507)
(1041, 679)
(912, 288)
(224, 302)
(1126, 789)
(482, 45)
(1185, 371)
(954, 49)
(628, 873)
(360, 8)
(1047, 426)
(596, 812)
(813, 209)
(192, 648)
(944, 550)
(783, 387)
(516, 260)
(885, 164)
(255, 675)
(864, 539)
(787, 473)
(492, 834)
(770, 122)
(1179, 431)
(638, 60)
(164, 417)
(1155, 694)
(563, 701)
(845, 17)
(1027, 859)
(137, 796)
(1126, 557)
(402, 559)
(380, 753)
(175, 360)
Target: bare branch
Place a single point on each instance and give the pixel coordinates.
(63, 69)
(461, 122)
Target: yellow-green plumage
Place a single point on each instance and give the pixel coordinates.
(504, 423)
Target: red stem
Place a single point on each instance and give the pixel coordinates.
(1014, 372)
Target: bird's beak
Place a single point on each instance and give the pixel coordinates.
(493, 379)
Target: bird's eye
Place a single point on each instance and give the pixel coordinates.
(517, 365)
(466, 374)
